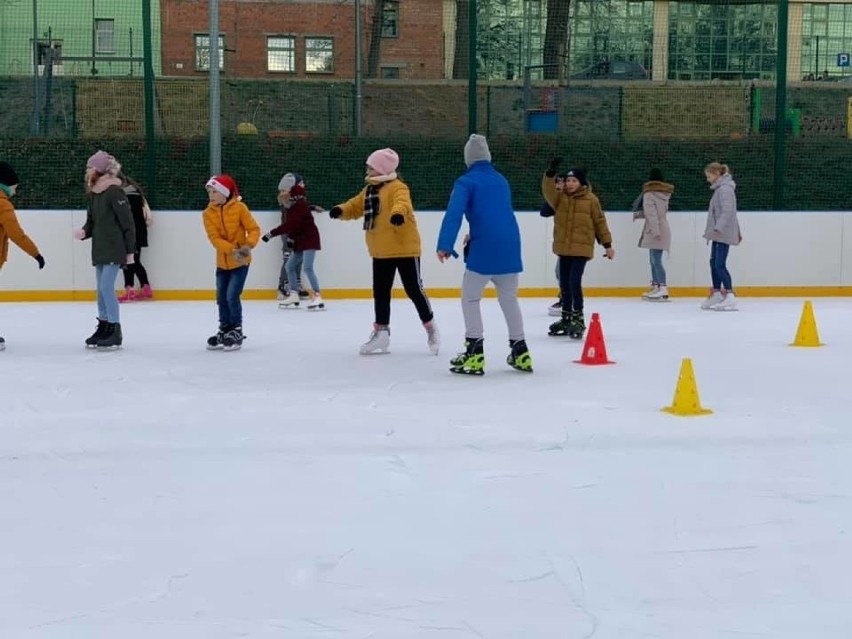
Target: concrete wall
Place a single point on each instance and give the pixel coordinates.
(782, 254)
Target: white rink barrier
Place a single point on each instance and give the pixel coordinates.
(783, 253)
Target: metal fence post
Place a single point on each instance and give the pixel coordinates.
(215, 103)
(781, 106)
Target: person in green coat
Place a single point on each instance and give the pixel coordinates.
(109, 224)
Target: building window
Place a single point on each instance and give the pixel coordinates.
(390, 19)
(826, 32)
(319, 55)
(281, 53)
(605, 34)
(390, 73)
(104, 36)
(725, 41)
(202, 52)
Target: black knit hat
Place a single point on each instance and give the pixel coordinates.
(656, 176)
(8, 175)
(578, 174)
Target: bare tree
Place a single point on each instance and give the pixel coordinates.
(555, 36)
(461, 57)
(376, 27)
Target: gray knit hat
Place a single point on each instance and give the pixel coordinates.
(476, 149)
(288, 182)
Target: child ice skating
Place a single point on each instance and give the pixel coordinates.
(301, 236)
(656, 233)
(722, 231)
(109, 224)
(578, 222)
(492, 254)
(142, 219)
(393, 241)
(555, 309)
(233, 232)
(10, 229)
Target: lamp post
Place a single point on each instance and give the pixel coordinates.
(36, 125)
(215, 118)
(781, 105)
(358, 78)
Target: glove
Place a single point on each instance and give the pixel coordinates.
(397, 219)
(40, 260)
(129, 259)
(80, 234)
(267, 237)
(553, 166)
(335, 212)
(245, 251)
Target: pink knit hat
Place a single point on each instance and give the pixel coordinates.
(384, 161)
(103, 163)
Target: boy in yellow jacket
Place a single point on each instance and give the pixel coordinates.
(394, 244)
(9, 227)
(233, 232)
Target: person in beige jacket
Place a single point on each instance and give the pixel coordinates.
(656, 233)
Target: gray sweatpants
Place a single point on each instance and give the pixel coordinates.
(507, 295)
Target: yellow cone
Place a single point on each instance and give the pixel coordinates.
(807, 334)
(686, 402)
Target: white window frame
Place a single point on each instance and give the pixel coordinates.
(312, 50)
(275, 51)
(199, 47)
(105, 37)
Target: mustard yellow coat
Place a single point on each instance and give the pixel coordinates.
(11, 230)
(384, 239)
(229, 227)
(578, 220)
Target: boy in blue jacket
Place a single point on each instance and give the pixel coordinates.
(492, 254)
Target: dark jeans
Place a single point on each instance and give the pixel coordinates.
(135, 269)
(229, 287)
(719, 268)
(571, 269)
(384, 272)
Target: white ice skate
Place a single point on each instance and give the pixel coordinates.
(710, 302)
(729, 303)
(433, 337)
(316, 304)
(654, 288)
(291, 301)
(555, 309)
(379, 342)
(661, 294)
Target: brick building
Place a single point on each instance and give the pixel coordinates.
(304, 38)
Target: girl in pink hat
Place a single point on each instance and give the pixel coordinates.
(393, 241)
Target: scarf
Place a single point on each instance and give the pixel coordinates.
(371, 198)
(7, 190)
(371, 205)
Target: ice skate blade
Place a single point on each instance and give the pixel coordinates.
(316, 309)
(378, 351)
(289, 307)
(462, 371)
(218, 347)
(106, 349)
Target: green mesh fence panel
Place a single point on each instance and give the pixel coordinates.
(615, 86)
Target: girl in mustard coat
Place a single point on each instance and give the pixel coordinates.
(233, 232)
(393, 241)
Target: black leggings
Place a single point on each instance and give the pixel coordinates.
(135, 269)
(384, 272)
(571, 270)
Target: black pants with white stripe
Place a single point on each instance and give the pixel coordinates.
(384, 273)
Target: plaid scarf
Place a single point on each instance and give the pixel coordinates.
(371, 205)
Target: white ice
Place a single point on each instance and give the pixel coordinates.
(296, 489)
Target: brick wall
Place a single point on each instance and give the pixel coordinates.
(417, 52)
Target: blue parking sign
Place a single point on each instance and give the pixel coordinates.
(843, 59)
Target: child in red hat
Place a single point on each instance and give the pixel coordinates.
(233, 232)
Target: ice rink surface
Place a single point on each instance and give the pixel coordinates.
(296, 489)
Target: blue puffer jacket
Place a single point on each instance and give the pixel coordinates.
(483, 196)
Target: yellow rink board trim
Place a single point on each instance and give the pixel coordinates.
(364, 294)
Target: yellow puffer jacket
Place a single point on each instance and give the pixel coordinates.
(230, 227)
(578, 221)
(11, 230)
(384, 239)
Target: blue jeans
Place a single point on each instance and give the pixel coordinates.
(229, 287)
(304, 259)
(105, 275)
(283, 279)
(658, 271)
(718, 267)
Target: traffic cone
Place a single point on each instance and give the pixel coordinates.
(807, 334)
(686, 402)
(594, 350)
